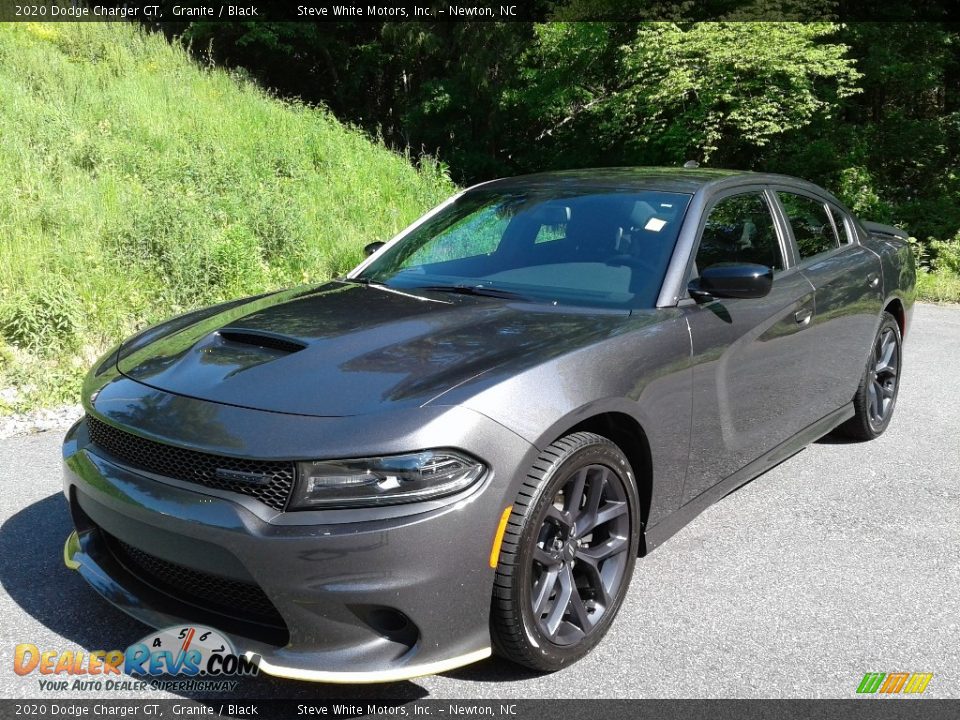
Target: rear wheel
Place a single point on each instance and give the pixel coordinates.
(876, 397)
(568, 554)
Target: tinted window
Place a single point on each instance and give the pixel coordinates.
(581, 247)
(739, 229)
(812, 224)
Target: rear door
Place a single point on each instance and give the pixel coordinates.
(847, 281)
(751, 356)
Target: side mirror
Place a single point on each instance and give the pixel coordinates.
(370, 249)
(732, 280)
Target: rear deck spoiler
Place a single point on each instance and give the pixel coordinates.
(889, 230)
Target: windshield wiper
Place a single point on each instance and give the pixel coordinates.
(477, 290)
(377, 285)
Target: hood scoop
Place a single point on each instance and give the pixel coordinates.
(261, 339)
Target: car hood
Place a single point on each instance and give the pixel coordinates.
(347, 349)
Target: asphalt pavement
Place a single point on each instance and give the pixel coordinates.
(843, 560)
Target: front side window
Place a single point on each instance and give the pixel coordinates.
(812, 224)
(739, 229)
(588, 247)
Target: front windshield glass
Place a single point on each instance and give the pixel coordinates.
(596, 248)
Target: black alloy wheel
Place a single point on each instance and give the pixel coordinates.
(876, 397)
(568, 553)
(884, 377)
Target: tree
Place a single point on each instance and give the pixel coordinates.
(714, 91)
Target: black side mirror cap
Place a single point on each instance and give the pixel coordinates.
(370, 249)
(732, 280)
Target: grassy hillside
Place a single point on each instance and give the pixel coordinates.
(135, 185)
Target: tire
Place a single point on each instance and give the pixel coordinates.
(876, 397)
(577, 577)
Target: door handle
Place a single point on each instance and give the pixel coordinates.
(803, 316)
(873, 279)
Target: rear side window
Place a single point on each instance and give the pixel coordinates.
(812, 224)
(739, 229)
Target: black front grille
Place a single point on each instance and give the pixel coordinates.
(223, 595)
(270, 482)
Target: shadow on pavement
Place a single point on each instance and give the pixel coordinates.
(493, 670)
(35, 578)
(837, 439)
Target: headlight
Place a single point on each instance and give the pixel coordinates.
(384, 480)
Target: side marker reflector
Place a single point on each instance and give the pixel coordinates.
(498, 538)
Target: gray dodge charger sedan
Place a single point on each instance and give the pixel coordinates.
(462, 446)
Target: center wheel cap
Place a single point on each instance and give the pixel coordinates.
(569, 551)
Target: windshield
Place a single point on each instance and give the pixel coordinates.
(596, 248)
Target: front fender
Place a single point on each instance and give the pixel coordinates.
(644, 373)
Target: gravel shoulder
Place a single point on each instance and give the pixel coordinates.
(38, 421)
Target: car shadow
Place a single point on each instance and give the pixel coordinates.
(836, 439)
(493, 670)
(35, 578)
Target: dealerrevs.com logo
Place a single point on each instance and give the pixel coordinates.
(203, 659)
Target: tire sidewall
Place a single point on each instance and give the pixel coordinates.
(888, 322)
(606, 454)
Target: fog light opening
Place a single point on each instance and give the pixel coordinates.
(390, 624)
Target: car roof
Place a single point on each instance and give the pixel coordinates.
(667, 179)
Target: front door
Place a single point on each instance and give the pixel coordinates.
(751, 358)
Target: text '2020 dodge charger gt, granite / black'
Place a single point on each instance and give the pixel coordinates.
(463, 445)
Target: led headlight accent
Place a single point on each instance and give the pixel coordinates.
(384, 480)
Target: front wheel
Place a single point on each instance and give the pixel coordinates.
(568, 554)
(876, 397)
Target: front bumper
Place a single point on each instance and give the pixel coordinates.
(355, 597)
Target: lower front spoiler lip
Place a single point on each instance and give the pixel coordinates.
(74, 559)
(373, 676)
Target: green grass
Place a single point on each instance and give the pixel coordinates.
(135, 184)
(940, 286)
(938, 278)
